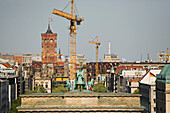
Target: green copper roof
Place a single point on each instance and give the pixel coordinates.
(164, 75)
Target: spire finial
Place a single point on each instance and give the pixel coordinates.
(49, 30)
(49, 25)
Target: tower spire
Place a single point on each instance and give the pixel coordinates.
(49, 25)
(59, 53)
(49, 30)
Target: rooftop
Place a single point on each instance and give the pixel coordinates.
(164, 75)
(82, 101)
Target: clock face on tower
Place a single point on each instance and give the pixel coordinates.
(51, 41)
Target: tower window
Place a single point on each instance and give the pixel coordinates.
(45, 40)
(51, 41)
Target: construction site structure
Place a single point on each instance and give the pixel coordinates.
(73, 18)
(97, 46)
(164, 57)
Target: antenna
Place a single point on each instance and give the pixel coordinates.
(148, 56)
(109, 48)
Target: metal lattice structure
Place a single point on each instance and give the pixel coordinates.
(73, 18)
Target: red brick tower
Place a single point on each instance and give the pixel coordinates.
(49, 46)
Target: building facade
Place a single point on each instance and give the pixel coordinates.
(18, 59)
(49, 46)
(9, 85)
(148, 97)
(46, 82)
(163, 90)
(111, 58)
(148, 90)
(80, 101)
(27, 60)
(4, 100)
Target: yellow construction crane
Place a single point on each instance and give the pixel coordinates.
(97, 46)
(165, 54)
(73, 18)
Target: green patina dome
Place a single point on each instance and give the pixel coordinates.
(164, 75)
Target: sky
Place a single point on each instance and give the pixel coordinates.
(134, 27)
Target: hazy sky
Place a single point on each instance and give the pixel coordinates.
(133, 27)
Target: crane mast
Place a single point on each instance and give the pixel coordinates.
(73, 19)
(97, 58)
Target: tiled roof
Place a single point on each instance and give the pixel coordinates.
(6, 65)
(134, 80)
(128, 67)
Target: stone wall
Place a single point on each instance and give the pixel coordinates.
(78, 101)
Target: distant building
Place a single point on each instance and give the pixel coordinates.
(27, 60)
(36, 59)
(133, 84)
(130, 74)
(4, 98)
(58, 68)
(49, 46)
(81, 60)
(7, 57)
(66, 67)
(47, 70)
(8, 74)
(130, 79)
(37, 66)
(136, 67)
(111, 58)
(46, 82)
(112, 81)
(44, 77)
(18, 59)
(3, 60)
(148, 91)
(163, 90)
(145, 65)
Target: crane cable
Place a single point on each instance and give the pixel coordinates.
(66, 6)
(76, 9)
(94, 39)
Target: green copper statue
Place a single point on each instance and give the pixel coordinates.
(79, 82)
